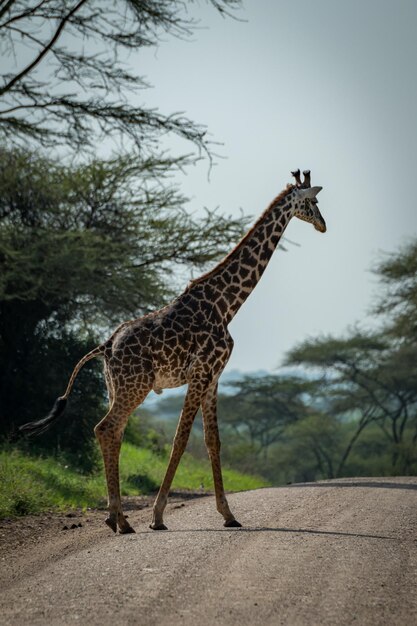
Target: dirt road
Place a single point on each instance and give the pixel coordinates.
(330, 553)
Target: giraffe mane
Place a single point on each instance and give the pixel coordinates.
(245, 237)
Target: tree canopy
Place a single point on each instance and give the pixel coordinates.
(83, 248)
(371, 376)
(261, 408)
(398, 305)
(100, 241)
(66, 75)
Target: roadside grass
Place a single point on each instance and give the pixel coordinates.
(30, 485)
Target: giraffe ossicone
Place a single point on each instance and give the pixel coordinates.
(186, 342)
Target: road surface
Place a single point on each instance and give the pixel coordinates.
(330, 553)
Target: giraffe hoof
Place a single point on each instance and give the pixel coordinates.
(233, 523)
(158, 527)
(111, 523)
(127, 530)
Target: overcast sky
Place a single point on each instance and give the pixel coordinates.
(324, 85)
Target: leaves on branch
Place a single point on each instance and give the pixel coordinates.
(110, 239)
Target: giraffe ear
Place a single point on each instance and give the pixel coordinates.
(309, 193)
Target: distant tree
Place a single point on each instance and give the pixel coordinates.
(261, 410)
(66, 78)
(372, 377)
(168, 407)
(144, 431)
(397, 306)
(315, 443)
(345, 377)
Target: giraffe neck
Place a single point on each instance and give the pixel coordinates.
(229, 284)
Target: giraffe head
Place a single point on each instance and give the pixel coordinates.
(305, 201)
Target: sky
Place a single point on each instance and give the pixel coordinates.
(323, 85)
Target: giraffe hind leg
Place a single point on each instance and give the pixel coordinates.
(109, 433)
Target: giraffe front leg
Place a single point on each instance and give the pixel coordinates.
(212, 440)
(189, 411)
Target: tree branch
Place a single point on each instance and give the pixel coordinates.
(7, 5)
(43, 52)
(20, 16)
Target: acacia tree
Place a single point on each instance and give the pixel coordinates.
(262, 409)
(313, 447)
(397, 273)
(65, 72)
(101, 240)
(372, 377)
(81, 249)
(398, 309)
(345, 370)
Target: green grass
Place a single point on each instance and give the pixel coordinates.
(191, 473)
(31, 485)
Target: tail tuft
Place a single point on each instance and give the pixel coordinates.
(31, 429)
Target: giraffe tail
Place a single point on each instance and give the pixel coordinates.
(36, 428)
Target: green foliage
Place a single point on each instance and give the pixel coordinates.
(35, 374)
(274, 427)
(262, 408)
(143, 431)
(99, 241)
(316, 443)
(374, 379)
(398, 306)
(82, 248)
(338, 353)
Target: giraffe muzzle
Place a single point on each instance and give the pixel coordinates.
(318, 221)
(320, 225)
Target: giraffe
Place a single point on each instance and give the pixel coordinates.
(185, 342)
